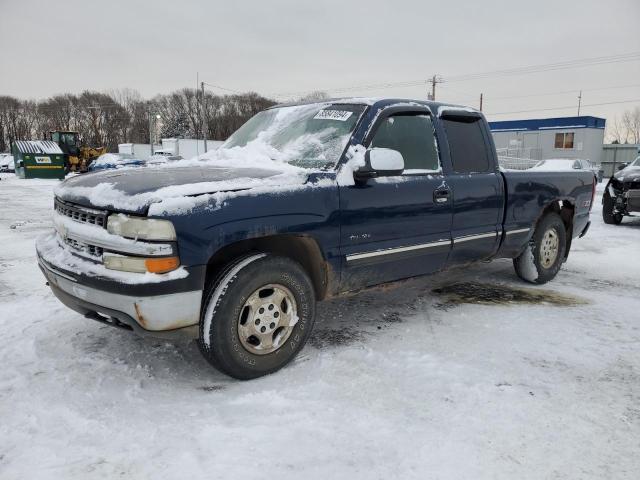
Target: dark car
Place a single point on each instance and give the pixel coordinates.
(304, 202)
(622, 194)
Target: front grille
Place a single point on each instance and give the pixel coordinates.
(81, 214)
(92, 252)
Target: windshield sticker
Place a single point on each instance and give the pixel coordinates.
(340, 115)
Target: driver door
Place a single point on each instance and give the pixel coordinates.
(397, 227)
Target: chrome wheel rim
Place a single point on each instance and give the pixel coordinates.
(549, 248)
(267, 319)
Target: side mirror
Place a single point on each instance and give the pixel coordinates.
(380, 162)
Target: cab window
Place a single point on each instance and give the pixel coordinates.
(467, 145)
(411, 135)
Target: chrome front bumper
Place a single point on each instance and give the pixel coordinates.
(159, 309)
(152, 314)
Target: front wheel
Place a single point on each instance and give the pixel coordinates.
(543, 257)
(257, 315)
(609, 215)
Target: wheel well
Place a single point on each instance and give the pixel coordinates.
(303, 249)
(566, 210)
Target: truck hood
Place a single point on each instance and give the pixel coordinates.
(135, 190)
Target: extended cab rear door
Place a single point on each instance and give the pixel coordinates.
(477, 187)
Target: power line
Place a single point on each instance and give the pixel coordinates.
(523, 70)
(222, 88)
(582, 62)
(565, 92)
(567, 107)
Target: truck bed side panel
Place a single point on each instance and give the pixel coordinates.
(529, 193)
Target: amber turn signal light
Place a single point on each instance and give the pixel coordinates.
(162, 265)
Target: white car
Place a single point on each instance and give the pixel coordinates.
(564, 165)
(6, 163)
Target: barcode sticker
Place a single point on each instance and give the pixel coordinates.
(340, 115)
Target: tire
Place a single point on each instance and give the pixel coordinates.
(608, 216)
(538, 263)
(255, 300)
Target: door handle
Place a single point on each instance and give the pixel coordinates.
(441, 195)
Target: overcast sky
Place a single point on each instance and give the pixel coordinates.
(289, 46)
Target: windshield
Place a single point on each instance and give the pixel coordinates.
(308, 136)
(635, 163)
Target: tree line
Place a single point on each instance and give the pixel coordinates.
(626, 128)
(123, 116)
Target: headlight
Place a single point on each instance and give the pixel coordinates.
(140, 265)
(140, 228)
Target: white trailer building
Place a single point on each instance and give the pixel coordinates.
(186, 147)
(540, 139)
(141, 151)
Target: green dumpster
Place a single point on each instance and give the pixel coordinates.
(38, 159)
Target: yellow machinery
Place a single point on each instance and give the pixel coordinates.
(77, 158)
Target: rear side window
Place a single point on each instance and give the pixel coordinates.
(412, 136)
(467, 145)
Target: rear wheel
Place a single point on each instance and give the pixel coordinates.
(609, 215)
(543, 257)
(257, 316)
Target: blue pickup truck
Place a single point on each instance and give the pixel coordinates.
(302, 203)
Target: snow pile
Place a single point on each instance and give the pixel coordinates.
(109, 159)
(528, 267)
(180, 199)
(444, 109)
(181, 204)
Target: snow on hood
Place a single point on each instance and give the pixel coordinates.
(173, 190)
(177, 187)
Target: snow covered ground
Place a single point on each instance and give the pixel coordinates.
(397, 382)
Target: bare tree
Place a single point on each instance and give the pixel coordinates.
(616, 131)
(631, 122)
(106, 119)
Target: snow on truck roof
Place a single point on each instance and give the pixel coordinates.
(383, 102)
(37, 146)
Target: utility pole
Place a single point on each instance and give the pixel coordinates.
(205, 127)
(481, 102)
(434, 80)
(579, 102)
(151, 130)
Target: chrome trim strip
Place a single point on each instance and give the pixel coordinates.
(139, 248)
(520, 230)
(56, 271)
(75, 206)
(479, 236)
(390, 251)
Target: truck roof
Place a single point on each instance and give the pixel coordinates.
(379, 102)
